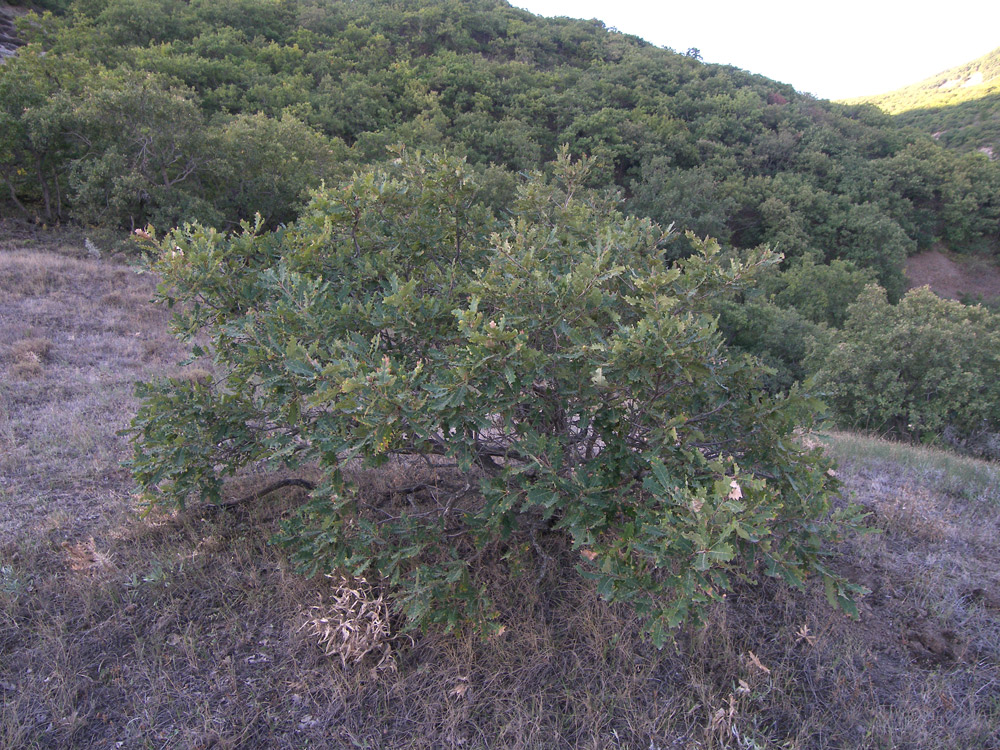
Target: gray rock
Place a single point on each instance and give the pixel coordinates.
(9, 40)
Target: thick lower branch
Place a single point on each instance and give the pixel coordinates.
(273, 487)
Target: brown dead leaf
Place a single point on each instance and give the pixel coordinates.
(735, 491)
(718, 718)
(757, 663)
(803, 634)
(353, 624)
(461, 690)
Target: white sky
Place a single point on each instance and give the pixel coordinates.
(832, 50)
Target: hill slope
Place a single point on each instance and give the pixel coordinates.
(972, 80)
(165, 110)
(960, 107)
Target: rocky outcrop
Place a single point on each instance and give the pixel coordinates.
(9, 41)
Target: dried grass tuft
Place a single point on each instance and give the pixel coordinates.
(25, 370)
(196, 375)
(85, 557)
(26, 357)
(31, 350)
(353, 624)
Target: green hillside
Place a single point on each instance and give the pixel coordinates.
(959, 107)
(360, 389)
(123, 112)
(963, 83)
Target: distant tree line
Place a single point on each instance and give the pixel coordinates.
(124, 112)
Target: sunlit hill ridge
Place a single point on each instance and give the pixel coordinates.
(959, 107)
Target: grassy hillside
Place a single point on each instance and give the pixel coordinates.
(960, 107)
(188, 630)
(135, 628)
(963, 83)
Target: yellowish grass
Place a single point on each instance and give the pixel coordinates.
(942, 471)
(31, 350)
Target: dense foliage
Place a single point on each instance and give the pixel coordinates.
(970, 126)
(924, 369)
(127, 112)
(572, 376)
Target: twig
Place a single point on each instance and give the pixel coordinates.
(546, 558)
(304, 483)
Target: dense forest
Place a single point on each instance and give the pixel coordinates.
(125, 113)
(133, 111)
(959, 107)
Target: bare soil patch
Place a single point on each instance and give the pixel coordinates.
(954, 276)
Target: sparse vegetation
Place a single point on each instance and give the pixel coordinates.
(959, 107)
(944, 472)
(969, 279)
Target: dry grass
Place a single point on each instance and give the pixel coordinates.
(353, 623)
(34, 349)
(189, 631)
(69, 361)
(26, 357)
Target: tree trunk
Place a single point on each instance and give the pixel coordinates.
(55, 183)
(13, 194)
(45, 187)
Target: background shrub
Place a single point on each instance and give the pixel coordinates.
(923, 369)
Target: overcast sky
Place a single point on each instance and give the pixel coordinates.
(832, 50)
